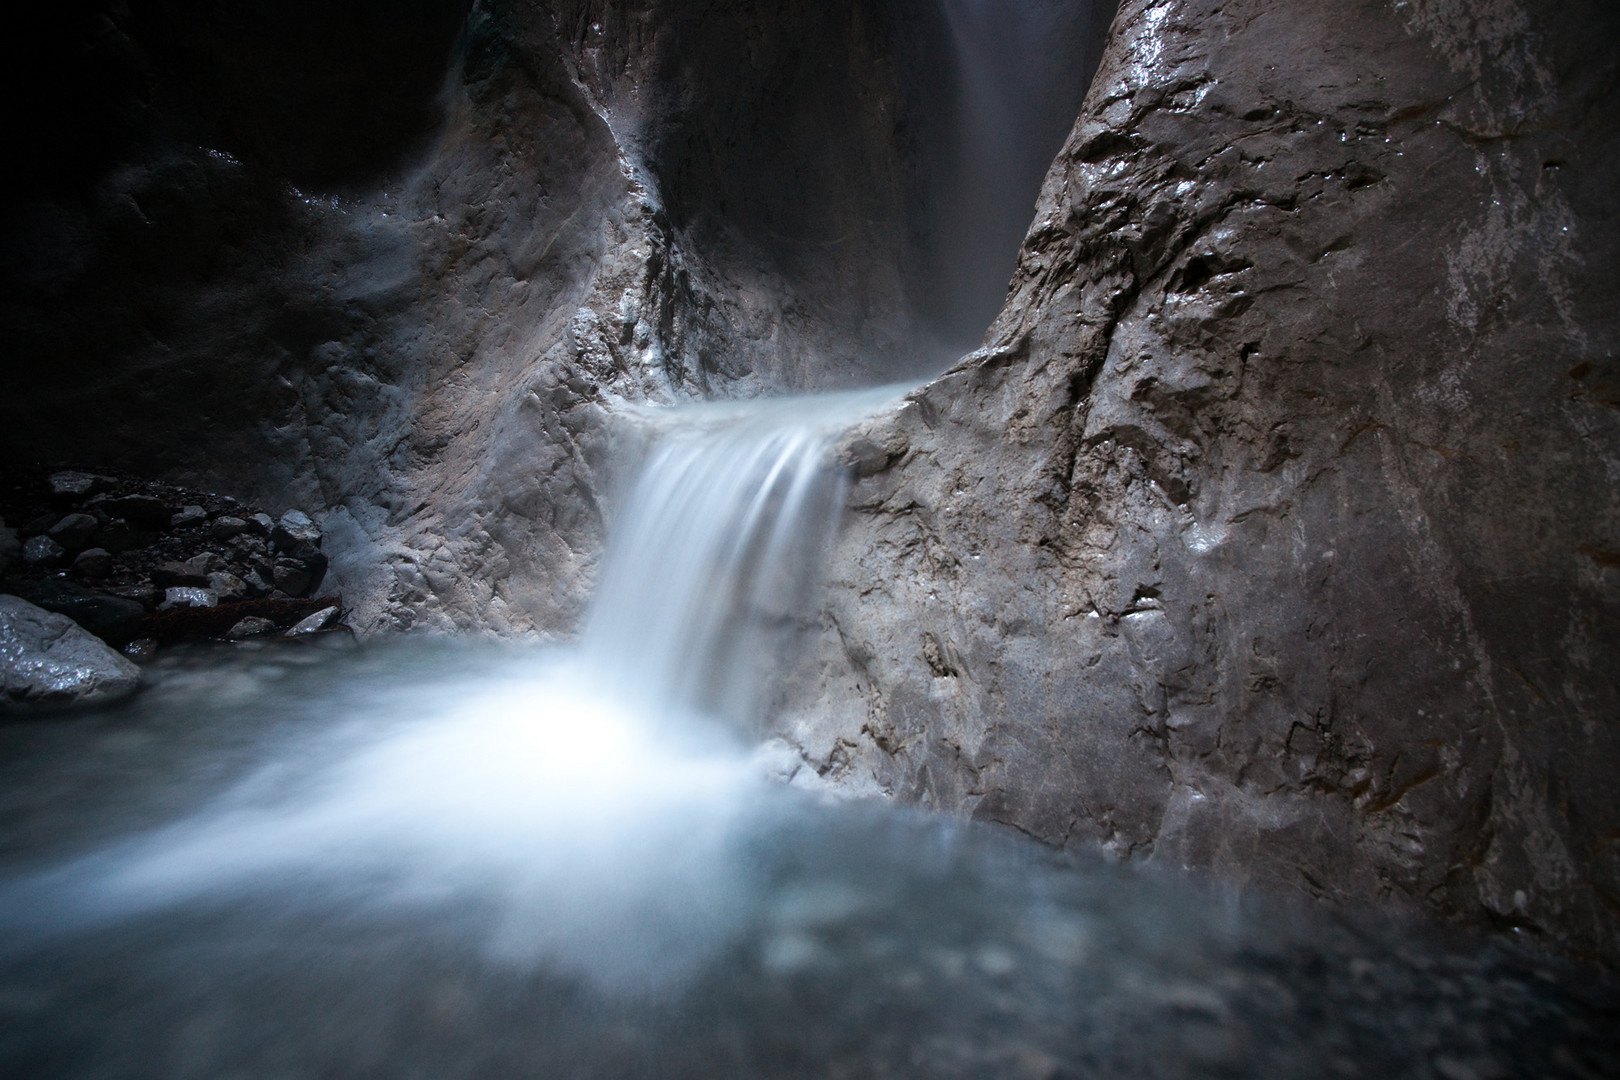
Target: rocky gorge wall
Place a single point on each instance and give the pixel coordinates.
(399, 266)
(1274, 530)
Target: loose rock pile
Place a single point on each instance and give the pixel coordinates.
(139, 563)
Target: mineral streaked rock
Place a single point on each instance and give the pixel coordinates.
(47, 659)
(1268, 533)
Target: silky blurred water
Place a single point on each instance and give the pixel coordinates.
(426, 859)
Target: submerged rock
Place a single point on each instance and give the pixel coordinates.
(48, 659)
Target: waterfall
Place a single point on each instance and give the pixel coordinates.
(718, 545)
(1015, 75)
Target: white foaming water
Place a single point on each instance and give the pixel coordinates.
(717, 549)
(579, 799)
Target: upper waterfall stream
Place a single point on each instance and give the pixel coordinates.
(713, 556)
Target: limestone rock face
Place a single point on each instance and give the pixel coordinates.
(1275, 528)
(47, 659)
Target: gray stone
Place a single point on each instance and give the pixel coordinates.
(108, 616)
(256, 582)
(226, 527)
(261, 524)
(228, 587)
(46, 659)
(296, 531)
(42, 551)
(186, 596)
(77, 485)
(94, 563)
(73, 532)
(315, 623)
(188, 516)
(251, 626)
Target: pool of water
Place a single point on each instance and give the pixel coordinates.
(437, 861)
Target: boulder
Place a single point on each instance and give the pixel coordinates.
(296, 532)
(48, 659)
(73, 532)
(111, 618)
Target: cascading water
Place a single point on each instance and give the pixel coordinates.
(418, 860)
(716, 549)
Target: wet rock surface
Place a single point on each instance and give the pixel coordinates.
(127, 554)
(1270, 532)
(48, 660)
